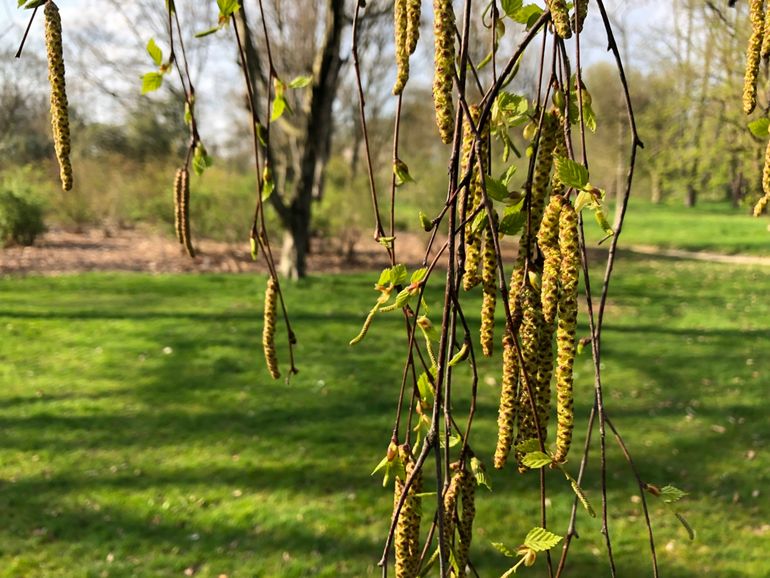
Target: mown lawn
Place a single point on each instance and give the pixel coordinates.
(140, 435)
(709, 226)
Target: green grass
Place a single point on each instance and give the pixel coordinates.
(707, 227)
(140, 435)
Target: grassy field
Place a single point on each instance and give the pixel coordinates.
(711, 226)
(140, 435)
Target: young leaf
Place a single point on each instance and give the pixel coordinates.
(671, 494)
(279, 106)
(503, 549)
(201, 160)
(583, 199)
(300, 81)
(527, 15)
(384, 278)
(425, 387)
(155, 52)
(528, 446)
(254, 248)
(513, 220)
(425, 222)
(536, 460)
(571, 173)
(207, 32)
(760, 127)
(495, 189)
(151, 81)
(398, 274)
(540, 539)
(401, 170)
(227, 7)
(418, 275)
(478, 222)
(480, 473)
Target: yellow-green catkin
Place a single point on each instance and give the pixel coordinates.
(581, 11)
(178, 200)
(568, 307)
(506, 415)
(268, 329)
(451, 497)
(407, 535)
(529, 336)
(560, 17)
(183, 175)
(468, 202)
(488, 276)
(465, 525)
(766, 36)
(400, 25)
(761, 205)
(444, 67)
(753, 52)
(413, 10)
(60, 123)
(548, 241)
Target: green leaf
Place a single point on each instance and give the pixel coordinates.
(254, 248)
(268, 186)
(262, 134)
(496, 190)
(279, 107)
(527, 15)
(528, 446)
(425, 222)
(536, 460)
(227, 7)
(589, 117)
(207, 32)
(384, 278)
(671, 494)
(425, 387)
(460, 355)
(402, 299)
(510, 7)
(602, 220)
(503, 549)
(583, 200)
(418, 275)
(506, 177)
(300, 81)
(201, 160)
(31, 3)
(571, 173)
(187, 113)
(453, 440)
(401, 170)
(540, 539)
(398, 274)
(760, 127)
(513, 220)
(386, 242)
(477, 225)
(155, 52)
(151, 81)
(480, 473)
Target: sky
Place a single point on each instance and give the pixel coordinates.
(220, 77)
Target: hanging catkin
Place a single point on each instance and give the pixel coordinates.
(450, 507)
(469, 200)
(182, 196)
(766, 36)
(506, 415)
(407, 535)
(444, 67)
(761, 205)
(581, 11)
(60, 123)
(568, 306)
(488, 275)
(178, 200)
(548, 241)
(560, 17)
(400, 25)
(268, 329)
(753, 51)
(529, 334)
(413, 9)
(465, 525)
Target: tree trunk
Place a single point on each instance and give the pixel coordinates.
(317, 143)
(657, 192)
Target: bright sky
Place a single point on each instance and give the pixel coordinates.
(637, 16)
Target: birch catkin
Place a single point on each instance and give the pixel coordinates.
(178, 203)
(560, 17)
(60, 124)
(489, 269)
(444, 67)
(581, 11)
(568, 245)
(413, 10)
(268, 329)
(465, 525)
(766, 36)
(468, 201)
(182, 213)
(400, 26)
(506, 415)
(407, 535)
(548, 241)
(761, 205)
(753, 51)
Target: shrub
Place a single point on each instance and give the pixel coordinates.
(21, 218)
